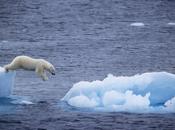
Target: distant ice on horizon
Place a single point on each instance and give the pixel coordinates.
(148, 92)
(4, 41)
(171, 23)
(138, 24)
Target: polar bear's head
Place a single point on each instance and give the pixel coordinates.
(51, 69)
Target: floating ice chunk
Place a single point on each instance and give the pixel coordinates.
(171, 24)
(137, 24)
(4, 41)
(148, 92)
(6, 82)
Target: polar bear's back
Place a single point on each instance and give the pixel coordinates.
(25, 62)
(28, 63)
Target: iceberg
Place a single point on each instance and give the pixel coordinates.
(147, 92)
(6, 82)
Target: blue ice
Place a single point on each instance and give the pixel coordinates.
(147, 92)
(6, 82)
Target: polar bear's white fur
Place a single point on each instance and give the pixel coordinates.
(28, 63)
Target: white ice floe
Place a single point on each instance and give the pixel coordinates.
(6, 82)
(137, 24)
(171, 24)
(148, 92)
(4, 41)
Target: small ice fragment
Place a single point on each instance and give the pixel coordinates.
(171, 24)
(4, 41)
(137, 24)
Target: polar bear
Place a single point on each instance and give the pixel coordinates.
(28, 63)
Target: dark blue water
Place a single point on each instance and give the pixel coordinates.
(85, 40)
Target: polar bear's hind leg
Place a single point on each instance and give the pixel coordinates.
(10, 67)
(13, 65)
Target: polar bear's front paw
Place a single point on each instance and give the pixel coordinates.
(45, 78)
(6, 69)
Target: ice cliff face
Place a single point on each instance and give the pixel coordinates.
(6, 82)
